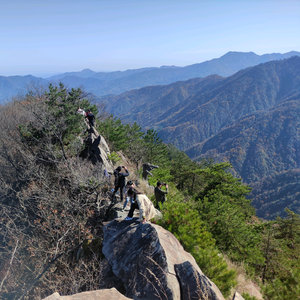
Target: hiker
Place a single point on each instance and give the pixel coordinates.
(143, 204)
(160, 195)
(90, 116)
(120, 180)
(80, 111)
(128, 186)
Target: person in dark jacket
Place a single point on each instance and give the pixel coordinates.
(120, 180)
(128, 186)
(160, 195)
(91, 118)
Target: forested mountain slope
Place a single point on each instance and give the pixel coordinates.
(250, 119)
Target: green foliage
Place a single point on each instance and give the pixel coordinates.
(63, 104)
(118, 135)
(56, 125)
(287, 289)
(246, 296)
(281, 248)
(228, 214)
(137, 145)
(114, 157)
(182, 219)
(156, 151)
(160, 174)
(182, 168)
(289, 230)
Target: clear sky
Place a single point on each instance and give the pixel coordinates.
(45, 37)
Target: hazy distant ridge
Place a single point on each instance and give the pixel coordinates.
(105, 83)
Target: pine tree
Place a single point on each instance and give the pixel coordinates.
(227, 213)
(55, 124)
(156, 152)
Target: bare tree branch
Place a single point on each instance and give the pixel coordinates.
(10, 264)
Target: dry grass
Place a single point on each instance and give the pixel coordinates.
(245, 284)
(145, 188)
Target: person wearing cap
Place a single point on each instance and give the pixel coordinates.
(143, 204)
(160, 195)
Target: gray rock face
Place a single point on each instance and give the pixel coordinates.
(108, 294)
(108, 279)
(193, 284)
(237, 296)
(96, 149)
(152, 263)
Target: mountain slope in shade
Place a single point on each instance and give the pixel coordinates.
(150, 103)
(250, 119)
(202, 107)
(264, 148)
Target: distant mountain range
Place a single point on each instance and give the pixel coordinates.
(105, 83)
(251, 119)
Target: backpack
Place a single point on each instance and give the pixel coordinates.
(116, 174)
(91, 116)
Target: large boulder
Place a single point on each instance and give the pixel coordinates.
(107, 294)
(96, 150)
(152, 263)
(116, 212)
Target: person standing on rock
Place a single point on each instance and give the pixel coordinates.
(143, 204)
(160, 195)
(120, 180)
(91, 118)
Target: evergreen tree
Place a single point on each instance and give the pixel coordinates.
(270, 248)
(285, 289)
(183, 172)
(135, 144)
(114, 132)
(156, 152)
(55, 125)
(224, 208)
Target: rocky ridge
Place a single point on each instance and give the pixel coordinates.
(142, 261)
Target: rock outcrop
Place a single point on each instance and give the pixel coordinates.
(237, 296)
(152, 264)
(143, 261)
(96, 150)
(108, 294)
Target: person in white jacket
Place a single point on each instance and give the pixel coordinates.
(143, 204)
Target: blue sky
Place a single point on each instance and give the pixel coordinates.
(42, 37)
